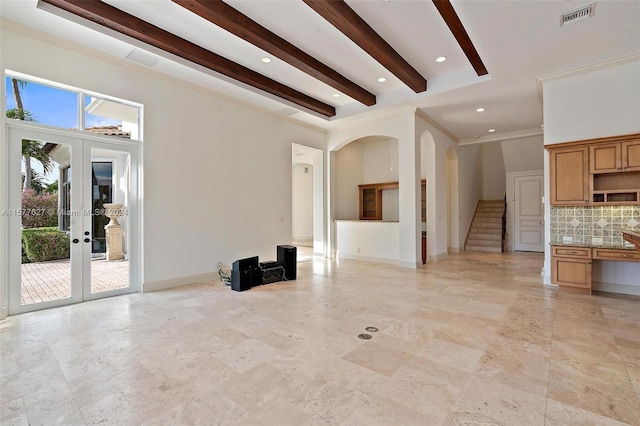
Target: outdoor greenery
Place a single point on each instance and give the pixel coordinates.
(42, 244)
(39, 210)
(41, 238)
(31, 149)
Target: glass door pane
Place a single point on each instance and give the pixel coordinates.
(45, 226)
(44, 202)
(110, 199)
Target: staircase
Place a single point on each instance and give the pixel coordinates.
(487, 230)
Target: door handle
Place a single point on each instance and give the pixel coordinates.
(75, 241)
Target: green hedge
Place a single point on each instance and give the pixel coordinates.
(42, 244)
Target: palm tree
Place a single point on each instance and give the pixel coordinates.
(30, 149)
(17, 84)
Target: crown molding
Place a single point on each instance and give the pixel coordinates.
(540, 81)
(426, 117)
(519, 134)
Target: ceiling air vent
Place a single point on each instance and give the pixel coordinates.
(577, 15)
(141, 57)
(288, 111)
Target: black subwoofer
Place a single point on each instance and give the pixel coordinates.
(241, 280)
(245, 273)
(287, 258)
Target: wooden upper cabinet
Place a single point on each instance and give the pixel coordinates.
(569, 176)
(606, 158)
(371, 199)
(370, 202)
(615, 157)
(631, 156)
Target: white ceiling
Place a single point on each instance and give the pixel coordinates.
(518, 41)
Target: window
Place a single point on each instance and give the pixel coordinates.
(57, 105)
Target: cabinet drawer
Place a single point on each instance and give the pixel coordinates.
(579, 252)
(612, 254)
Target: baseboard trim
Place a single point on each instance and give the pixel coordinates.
(411, 265)
(616, 288)
(439, 256)
(178, 282)
(369, 259)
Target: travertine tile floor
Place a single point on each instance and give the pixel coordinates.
(475, 339)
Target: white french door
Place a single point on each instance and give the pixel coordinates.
(58, 250)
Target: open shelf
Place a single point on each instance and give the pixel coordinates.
(616, 188)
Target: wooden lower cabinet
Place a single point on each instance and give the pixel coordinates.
(613, 254)
(571, 267)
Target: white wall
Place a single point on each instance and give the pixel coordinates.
(525, 154)
(604, 102)
(349, 171)
(380, 160)
(217, 175)
(368, 241)
(302, 201)
(493, 172)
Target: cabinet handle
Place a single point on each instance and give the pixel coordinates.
(626, 255)
(573, 252)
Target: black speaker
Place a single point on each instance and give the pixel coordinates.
(256, 277)
(287, 258)
(245, 264)
(241, 280)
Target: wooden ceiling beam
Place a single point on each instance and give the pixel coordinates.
(124, 23)
(452, 20)
(341, 16)
(228, 18)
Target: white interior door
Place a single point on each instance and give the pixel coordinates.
(55, 258)
(529, 213)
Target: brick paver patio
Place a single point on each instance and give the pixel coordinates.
(43, 281)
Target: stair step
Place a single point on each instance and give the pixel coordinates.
(496, 230)
(481, 248)
(486, 228)
(487, 219)
(486, 237)
(480, 242)
(490, 209)
(487, 222)
(491, 215)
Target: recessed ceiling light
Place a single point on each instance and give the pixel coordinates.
(382, 79)
(266, 60)
(336, 95)
(492, 130)
(480, 109)
(441, 58)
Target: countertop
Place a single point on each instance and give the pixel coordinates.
(590, 245)
(634, 232)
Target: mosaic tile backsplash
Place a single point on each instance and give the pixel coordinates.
(587, 225)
